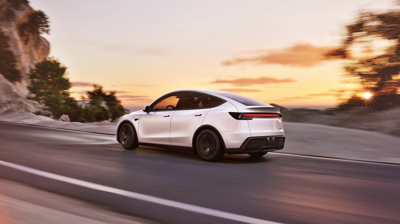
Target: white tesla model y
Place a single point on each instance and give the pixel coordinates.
(211, 123)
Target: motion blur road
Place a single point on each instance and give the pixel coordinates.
(277, 188)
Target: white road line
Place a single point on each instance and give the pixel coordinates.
(138, 196)
(336, 159)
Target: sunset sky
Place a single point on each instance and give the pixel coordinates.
(267, 49)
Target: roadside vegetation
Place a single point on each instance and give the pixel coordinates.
(50, 87)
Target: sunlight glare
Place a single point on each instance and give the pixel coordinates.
(367, 95)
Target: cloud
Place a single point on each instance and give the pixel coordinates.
(298, 55)
(250, 81)
(134, 98)
(239, 90)
(140, 85)
(115, 91)
(330, 92)
(80, 84)
(105, 91)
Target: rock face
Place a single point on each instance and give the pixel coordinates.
(28, 52)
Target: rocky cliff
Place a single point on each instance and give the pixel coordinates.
(28, 48)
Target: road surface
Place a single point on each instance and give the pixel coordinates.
(173, 186)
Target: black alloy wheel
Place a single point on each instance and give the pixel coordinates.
(127, 136)
(208, 146)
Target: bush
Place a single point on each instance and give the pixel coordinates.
(98, 97)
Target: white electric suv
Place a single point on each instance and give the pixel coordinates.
(211, 123)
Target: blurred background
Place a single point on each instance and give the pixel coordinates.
(332, 67)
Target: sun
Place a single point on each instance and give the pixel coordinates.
(367, 95)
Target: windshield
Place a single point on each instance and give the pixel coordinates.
(247, 101)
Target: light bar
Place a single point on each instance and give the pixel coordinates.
(260, 115)
(249, 116)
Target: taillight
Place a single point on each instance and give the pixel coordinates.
(250, 116)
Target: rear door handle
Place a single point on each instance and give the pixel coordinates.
(197, 115)
(166, 116)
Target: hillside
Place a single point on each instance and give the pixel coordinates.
(26, 46)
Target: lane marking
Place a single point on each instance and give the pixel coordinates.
(139, 196)
(336, 159)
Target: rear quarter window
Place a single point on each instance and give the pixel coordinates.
(245, 100)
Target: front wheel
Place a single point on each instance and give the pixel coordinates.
(257, 154)
(127, 136)
(209, 146)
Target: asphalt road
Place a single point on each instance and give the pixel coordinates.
(277, 188)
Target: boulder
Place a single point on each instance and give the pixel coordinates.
(64, 118)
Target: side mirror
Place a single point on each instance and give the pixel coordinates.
(146, 109)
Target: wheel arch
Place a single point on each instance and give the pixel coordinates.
(201, 128)
(122, 123)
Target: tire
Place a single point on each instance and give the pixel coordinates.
(257, 154)
(209, 146)
(128, 137)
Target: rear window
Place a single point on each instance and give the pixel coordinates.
(245, 100)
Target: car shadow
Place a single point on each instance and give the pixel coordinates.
(178, 153)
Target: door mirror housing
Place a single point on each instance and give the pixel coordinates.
(146, 109)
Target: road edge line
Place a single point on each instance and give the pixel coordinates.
(139, 196)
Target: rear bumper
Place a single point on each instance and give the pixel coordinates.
(259, 144)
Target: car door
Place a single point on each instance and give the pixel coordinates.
(190, 113)
(155, 125)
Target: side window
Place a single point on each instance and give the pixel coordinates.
(187, 101)
(193, 100)
(168, 103)
(211, 101)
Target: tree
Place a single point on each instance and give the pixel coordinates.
(39, 22)
(100, 99)
(372, 45)
(50, 86)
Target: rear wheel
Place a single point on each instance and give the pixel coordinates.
(127, 136)
(257, 154)
(209, 146)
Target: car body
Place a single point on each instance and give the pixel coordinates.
(211, 123)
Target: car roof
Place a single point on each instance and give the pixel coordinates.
(218, 94)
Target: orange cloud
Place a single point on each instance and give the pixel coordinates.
(134, 98)
(330, 92)
(249, 81)
(105, 91)
(79, 84)
(298, 55)
(239, 90)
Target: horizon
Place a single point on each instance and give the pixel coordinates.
(271, 51)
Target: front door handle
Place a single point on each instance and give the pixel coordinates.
(166, 116)
(197, 115)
